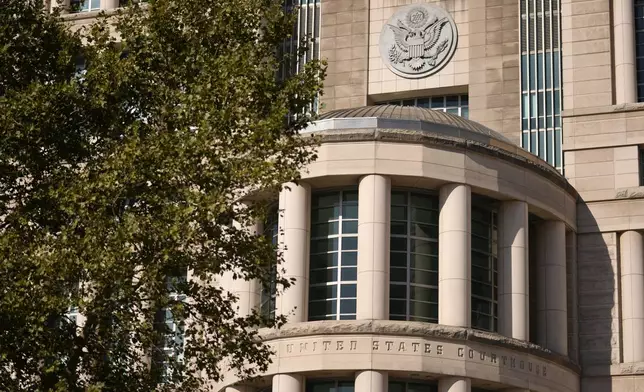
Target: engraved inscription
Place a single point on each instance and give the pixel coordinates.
(411, 347)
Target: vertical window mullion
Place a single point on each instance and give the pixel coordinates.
(408, 302)
(339, 277)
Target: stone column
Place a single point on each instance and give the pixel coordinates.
(288, 383)
(624, 37)
(454, 384)
(454, 256)
(374, 201)
(513, 270)
(371, 381)
(240, 388)
(631, 246)
(109, 4)
(294, 226)
(552, 310)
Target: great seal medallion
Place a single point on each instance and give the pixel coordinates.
(418, 40)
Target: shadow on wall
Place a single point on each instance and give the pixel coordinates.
(598, 311)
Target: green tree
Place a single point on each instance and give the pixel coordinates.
(116, 180)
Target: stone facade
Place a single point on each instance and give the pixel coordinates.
(598, 203)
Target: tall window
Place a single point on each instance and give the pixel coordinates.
(454, 104)
(400, 386)
(414, 257)
(639, 48)
(85, 5)
(484, 269)
(306, 28)
(334, 256)
(541, 102)
(267, 294)
(171, 348)
(329, 386)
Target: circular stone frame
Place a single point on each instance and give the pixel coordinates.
(411, 24)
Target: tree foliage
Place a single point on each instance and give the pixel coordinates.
(117, 179)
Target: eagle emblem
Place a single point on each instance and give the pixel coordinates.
(417, 40)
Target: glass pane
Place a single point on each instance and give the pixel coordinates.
(398, 259)
(325, 200)
(423, 310)
(349, 258)
(396, 387)
(348, 291)
(324, 229)
(424, 216)
(423, 262)
(322, 292)
(325, 214)
(398, 291)
(350, 227)
(452, 100)
(349, 274)
(323, 276)
(348, 306)
(350, 196)
(398, 274)
(324, 260)
(324, 245)
(349, 243)
(424, 247)
(423, 277)
(438, 102)
(398, 228)
(398, 198)
(350, 212)
(423, 102)
(425, 231)
(322, 308)
(423, 201)
(424, 294)
(398, 307)
(398, 244)
(398, 213)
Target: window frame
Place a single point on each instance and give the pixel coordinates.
(408, 254)
(341, 252)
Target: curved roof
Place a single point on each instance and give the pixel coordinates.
(403, 116)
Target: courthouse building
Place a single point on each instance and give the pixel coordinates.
(474, 220)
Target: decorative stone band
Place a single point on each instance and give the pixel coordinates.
(428, 349)
(446, 137)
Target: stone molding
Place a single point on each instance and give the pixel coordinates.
(441, 138)
(622, 108)
(414, 329)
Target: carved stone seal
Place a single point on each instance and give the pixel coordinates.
(418, 40)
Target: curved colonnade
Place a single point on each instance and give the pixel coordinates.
(477, 226)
